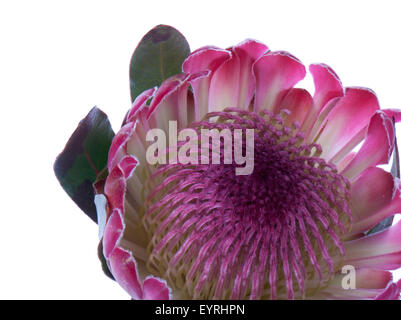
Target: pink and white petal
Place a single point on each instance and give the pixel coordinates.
(190, 107)
(118, 148)
(393, 113)
(248, 52)
(139, 103)
(166, 88)
(115, 188)
(224, 85)
(123, 267)
(275, 73)
(170, 103)
(112, 232)
(299, 102)
(392, 292)
(370, 193)
(205, 59)
(155, 289)
(370, 284)
(233, 84)
(346, 124)
(389, 261)
(122, 178)
(366, 278)
(128, 165)
(345, 161)
(137, 143)
(137, 146)
(313, 126)
(385, 242)
(327, 87)
(370, 218)
(352, 294)
(377, 147)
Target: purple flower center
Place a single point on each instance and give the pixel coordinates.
(275, 233)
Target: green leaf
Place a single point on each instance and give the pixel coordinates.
(102, 260)
(395, 171)
(158, 56)
(83, 158)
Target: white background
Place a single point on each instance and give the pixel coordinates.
(60, 58)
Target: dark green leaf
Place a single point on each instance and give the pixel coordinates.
(158, 56)
(103, 262)
(395, 171)
(83, 158)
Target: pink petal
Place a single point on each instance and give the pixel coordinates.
(387, 241)
(116, 181)
(392, 208)
(368, 278)
(392, 292)
(396, 113)
(118, 148)
(352, 294)
(169, 103)
(299, 102)
(224, 85)
(385, 204)
(139, 103)
(112, 232)
(369, 284)
(376, 149)
(155, 289)
(233, 84)
(372, 192)
(204, 59)
(312, 125)
(275, 74)
(115, 188)
(207, 58)
(345, 161)
(124, 269)
(128, 165)
(346, 124)
(248, 52)
(389, 261)
(167, 87)
(327, 86)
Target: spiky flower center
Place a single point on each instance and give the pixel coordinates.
(275, 233)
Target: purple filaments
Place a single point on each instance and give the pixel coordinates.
(275, 233)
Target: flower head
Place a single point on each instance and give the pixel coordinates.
(284, 230)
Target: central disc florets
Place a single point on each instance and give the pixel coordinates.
(274, 233)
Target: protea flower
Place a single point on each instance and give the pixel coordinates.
(286, 230)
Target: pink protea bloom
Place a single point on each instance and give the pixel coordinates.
(283, 232)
